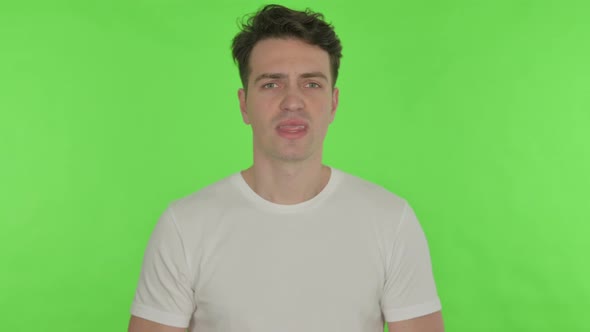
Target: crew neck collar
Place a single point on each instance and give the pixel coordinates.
(264, 204)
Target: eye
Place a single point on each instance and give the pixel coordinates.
(269, 85)
(313, 85)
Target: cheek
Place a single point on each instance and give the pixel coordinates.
(258, 120)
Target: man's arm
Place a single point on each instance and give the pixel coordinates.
(430, 323)
(137, 324)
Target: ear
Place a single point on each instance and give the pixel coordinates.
(335, 95)
(243, 108)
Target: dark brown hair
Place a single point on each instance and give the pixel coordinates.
(275, 21)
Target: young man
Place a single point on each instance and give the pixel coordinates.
(288, 244)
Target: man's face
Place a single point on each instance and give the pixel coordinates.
(289, 100)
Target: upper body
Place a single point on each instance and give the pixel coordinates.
(346, 260)
(218, 262)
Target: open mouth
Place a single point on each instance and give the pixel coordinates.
(292, 129)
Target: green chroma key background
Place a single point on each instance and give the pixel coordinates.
(477, 112)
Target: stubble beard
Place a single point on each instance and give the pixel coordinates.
(293, 151)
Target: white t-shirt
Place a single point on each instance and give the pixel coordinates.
(226, 260)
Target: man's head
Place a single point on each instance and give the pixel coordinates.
(288, 63)
(275, 21)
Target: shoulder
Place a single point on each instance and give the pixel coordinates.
(370, 202)
(369, 194)
(206, 202)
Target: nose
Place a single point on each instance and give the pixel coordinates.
(292, 100)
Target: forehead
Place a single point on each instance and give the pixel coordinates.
(288, 56)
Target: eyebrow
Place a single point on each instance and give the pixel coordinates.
(313, 74)
(270, 75)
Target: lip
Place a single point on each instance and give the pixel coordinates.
(293, 122)
(295, 134)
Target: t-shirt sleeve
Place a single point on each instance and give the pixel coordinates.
(409, 290)
(164, 293)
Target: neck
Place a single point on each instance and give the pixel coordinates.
(287, 183)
